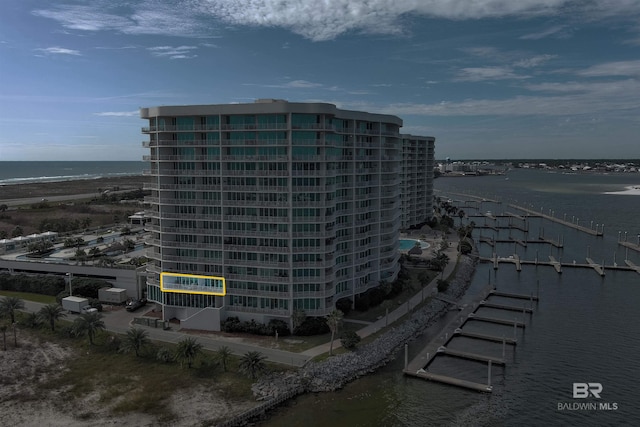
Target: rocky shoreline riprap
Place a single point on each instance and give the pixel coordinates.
(333, 373)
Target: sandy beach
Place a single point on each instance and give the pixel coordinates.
(632, 190)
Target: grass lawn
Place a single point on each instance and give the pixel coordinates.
(44, 299)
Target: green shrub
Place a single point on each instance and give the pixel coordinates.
(36, 283)
(164, 355)
(443, 285)
(312, 326)
(234, 325)
(362, 302)
(349, 340)
(344, 305)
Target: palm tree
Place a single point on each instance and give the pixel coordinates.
(134, 340)
(187, 351)
(223, 355)
(252, 364)
(32, 320)
(9, 305)
(50, 313)
(89, 324)
(333, 321)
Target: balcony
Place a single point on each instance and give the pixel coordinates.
(267, 311)
(258, 293)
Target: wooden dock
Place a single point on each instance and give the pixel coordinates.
(451, 381)
(559, 221)
(555, 264)
(485, 337)
(558, 266)
(473, 316)
(487, 304)
(632, 266)
(471, 356)
(597, 267)
(417, 366)
(512, 295)
(630, 245)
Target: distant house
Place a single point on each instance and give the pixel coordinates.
(138, 218)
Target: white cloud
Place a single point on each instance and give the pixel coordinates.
(315, 20)
(557, 31)
(614, 100)
(477, 74)
(302, 84)
(60, 51)
(621, 68)
(173, 52)
(293, 84)
(118, 113)
(533, 61)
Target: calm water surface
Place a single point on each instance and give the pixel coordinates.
(583, 329)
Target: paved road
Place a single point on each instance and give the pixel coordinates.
(61, 198)
(120, 321)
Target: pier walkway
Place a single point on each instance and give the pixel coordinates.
(587, 230)
(425, 357)
(418, 367)
(558, 266)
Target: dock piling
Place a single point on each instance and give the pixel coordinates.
(406, 356)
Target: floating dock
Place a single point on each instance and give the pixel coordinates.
(451, 381)
(597, 267)
(485, 337)
(419, 365)
(496, 320)
(487, 304)
(512, 295)
(472, 356)
(555, 264)
(632, 266)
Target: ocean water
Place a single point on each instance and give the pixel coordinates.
(582, 330)
(43, 171)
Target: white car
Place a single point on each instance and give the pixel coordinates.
(89, 309)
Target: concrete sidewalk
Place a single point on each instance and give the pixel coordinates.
(404, 309)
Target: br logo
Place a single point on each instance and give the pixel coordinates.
(584, 390)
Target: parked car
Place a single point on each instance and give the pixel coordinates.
(136, 304)
(89, 309)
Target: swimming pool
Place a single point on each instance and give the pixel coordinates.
(406, 244)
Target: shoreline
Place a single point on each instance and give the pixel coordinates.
(632, 190)
(70, 187)
(334, 373)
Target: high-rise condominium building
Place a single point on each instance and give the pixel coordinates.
(261, 209)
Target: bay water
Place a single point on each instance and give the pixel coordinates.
(583, 329)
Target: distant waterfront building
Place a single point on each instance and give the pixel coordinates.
(258, 210)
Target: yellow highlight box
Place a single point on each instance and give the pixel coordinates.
(192, 284)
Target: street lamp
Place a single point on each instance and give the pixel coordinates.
(70, 276)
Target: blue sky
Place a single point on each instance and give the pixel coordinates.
(487, 78)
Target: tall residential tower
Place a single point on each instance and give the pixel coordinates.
(261, 209)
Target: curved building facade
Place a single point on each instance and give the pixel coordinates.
(290, 206)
